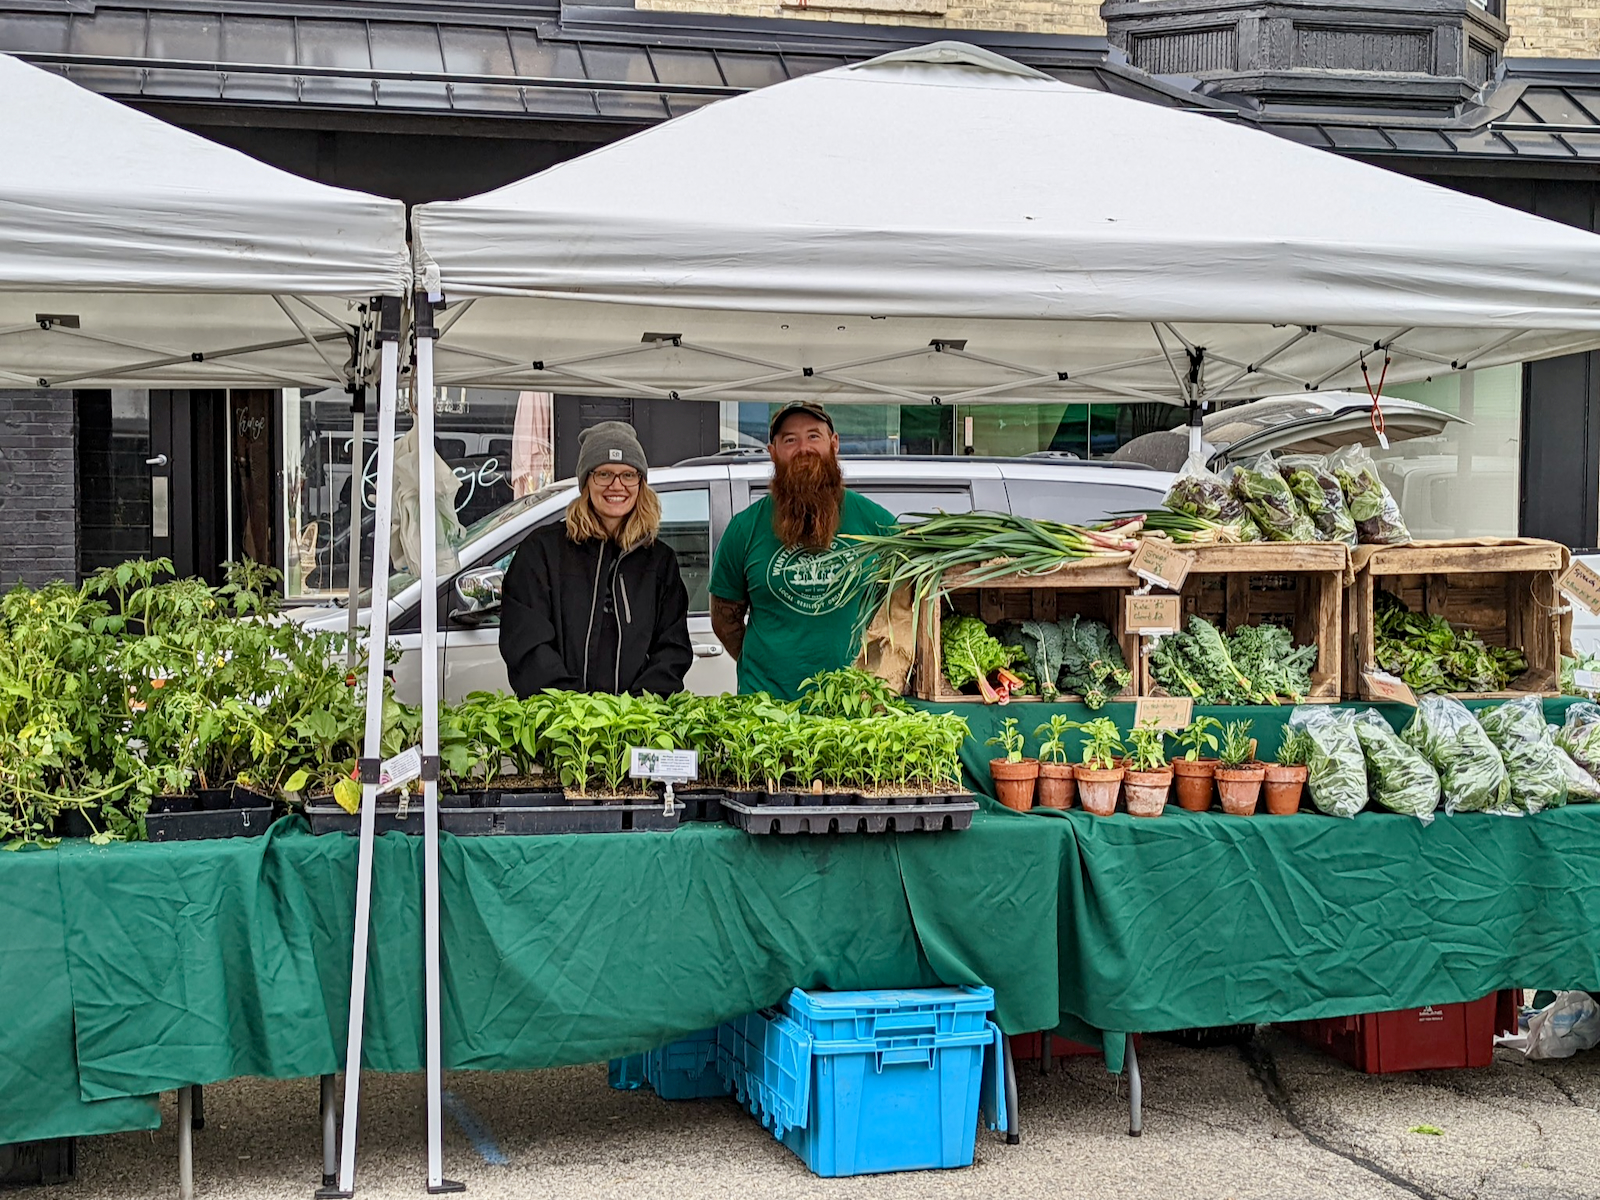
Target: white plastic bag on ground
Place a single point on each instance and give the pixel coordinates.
(1568, 1024)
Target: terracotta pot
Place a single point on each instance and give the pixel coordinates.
(1146, 791)
(1057, 787)
(1097, 789)
(1197, 783)
(1014, 781)
(1283, 788)
(1240, 788)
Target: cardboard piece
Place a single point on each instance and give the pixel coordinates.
(1152, 614)
(1163, 712)
(1380, 685)
(1161, 563)
(1582, 583)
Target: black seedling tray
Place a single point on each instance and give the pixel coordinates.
(204, 824)
(814, 800)
(856, 818)
(701, 804)
(503, 819)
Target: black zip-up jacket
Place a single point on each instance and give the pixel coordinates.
(582, 617)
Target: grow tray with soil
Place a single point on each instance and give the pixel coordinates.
(926, 814)
(554, 814)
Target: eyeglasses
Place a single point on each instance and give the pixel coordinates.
(628, 479)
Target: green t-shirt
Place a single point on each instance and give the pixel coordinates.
(805, 606)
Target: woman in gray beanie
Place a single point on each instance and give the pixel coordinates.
(596, 604)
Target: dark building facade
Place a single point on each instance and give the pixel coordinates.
(441, 100)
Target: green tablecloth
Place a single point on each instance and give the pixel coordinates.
(132, 969)
(199, 962)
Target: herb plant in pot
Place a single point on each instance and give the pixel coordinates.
(1100, 774)
(1196, 771)
(1148, 777)
(1286, 778)
(1239, 776)
(1014, 776)
(1057, 786)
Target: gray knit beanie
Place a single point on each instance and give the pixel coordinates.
(609, 442)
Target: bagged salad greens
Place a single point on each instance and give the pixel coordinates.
(1533, 763)
(1580, 736)
(1469, 766)
(1336, 766)
(1582, 787)
(1399, 778)
(1318, 493)
(1377, 516)
(1270, 503)
(1199, 492)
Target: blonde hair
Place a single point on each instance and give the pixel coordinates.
(639, 527)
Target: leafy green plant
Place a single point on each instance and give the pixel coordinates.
(1295, 748)
(1432, 655)
(1256, 664)
(1148, 745)
(1053, 748)
(1197, 737)
(971, 654)
(849, 692)
(1238, 747)
(1009, 739)
(1102, 744)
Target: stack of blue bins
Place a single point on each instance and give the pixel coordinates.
(858, 1083)
(682, 1070)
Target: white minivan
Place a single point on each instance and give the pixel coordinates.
(698, 499)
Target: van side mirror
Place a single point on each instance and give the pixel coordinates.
(477, 597)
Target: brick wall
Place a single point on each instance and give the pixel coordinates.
(1554, 28)
(1019, 16)
(38, 487)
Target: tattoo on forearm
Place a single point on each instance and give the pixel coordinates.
(727, 622)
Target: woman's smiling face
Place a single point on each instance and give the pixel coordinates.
(613, 491)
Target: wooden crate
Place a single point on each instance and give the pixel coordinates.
(1094, 591)
(1506, 594)
(1296, 585)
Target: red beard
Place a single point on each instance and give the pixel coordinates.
(807, 493)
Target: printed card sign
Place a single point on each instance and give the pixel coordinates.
(1586, 681)
(675, 765)
(1380, 685)
(1164, 712)
(1151, 614)
(396, 772)
(1161, 563)
(1582, 583)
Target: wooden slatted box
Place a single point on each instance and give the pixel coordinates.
(1094, 589)
(1505, 593)
(1297, 585)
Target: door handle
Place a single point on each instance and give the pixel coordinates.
(707, 649)
(159, 460)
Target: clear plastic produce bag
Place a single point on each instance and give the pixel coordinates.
(1377, 516)
(1201, 492)
(1580, 735)
(1533, 761)
(1318, 493)
(1270, 503)
(1568, 1024)
(1582, 787)
(1469, 766)
(1336, 766)
(1399, 778)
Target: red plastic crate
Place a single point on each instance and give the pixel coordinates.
(1025, 1047)
(1435, 1037)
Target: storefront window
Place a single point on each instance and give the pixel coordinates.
(1465, 482)
(499, 444)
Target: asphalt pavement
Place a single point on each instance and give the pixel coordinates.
(1266, 1120)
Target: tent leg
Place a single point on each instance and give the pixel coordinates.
(1135, 1092)
(358, 465)
(1013, 1134)
(198, 1117)
(186, 1143)
(377, 645)
(428, 521)
(1195, 440)
(330, 1132)
(1047, 1048)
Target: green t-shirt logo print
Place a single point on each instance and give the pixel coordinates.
(815, 582)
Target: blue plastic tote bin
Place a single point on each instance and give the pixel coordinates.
(906, 1099)
(627, 1074)
(686, 1070)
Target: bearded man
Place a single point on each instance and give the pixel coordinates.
(786, 595)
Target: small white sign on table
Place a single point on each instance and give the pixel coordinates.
(664, 766)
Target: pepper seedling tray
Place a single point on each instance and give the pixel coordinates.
(762, 819)
(529, 820)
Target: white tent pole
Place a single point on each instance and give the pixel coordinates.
(358, 467)
(372, 750)
(428, 570)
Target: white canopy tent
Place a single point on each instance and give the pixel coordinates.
(135, 254)
(945, 225)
